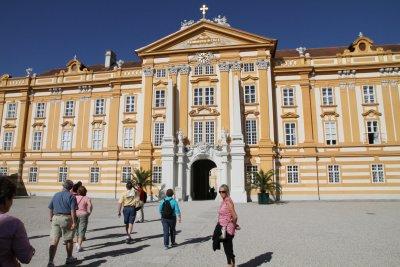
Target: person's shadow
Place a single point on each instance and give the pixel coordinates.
(257, 261)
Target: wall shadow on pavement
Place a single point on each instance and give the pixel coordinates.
(107, 236)
(195, 240)
(94, 264)
(106, 228)
(37, 236)
(115, 253)
(257, 261)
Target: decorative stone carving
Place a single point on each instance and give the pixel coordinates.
(289, 115)
(254, 112)
(180, 137)
(224, 137)
(198, 112)
(148, 72)
(173, 70)
(65, 123)
(204, 57)
(262, 64)
(301, 51)
(372, 113)
(129, 121)
(155, 116)
(29, 72)
(236, 65)
(38, 124)
(85, 88)
(222, 20)
(223, 66)
(101, 122)
(120, 63)
(55, 90)
(186, 23)
(329, 113)
(184, 69)
(9, 126)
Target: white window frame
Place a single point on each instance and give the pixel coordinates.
(157, 174)
(250, 170)
(330, 133)
(203, 96)
(69, 109)
(126, 174)
(328, 96)
(290, 137)
(375, 134)
(11, 110)
(62, 174)
(8, 140)
(197, 96)
(33, 175)
(288, 97)
(161, 73)
(248, 67)
(292, 174)
(209, 132)
(97, 139)
(37, 139)
(204, 131)
(377, 173)
(158, 133)
(129, 103)
(369, 96)
(159, 98)
(333, 173)
(251, 131)
(204, 69)
(40, 110)
(250, 95)
(100, 106)
(66, 140)
(128, 135)
(94, 175)
(3, 171)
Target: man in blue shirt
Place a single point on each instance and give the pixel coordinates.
(169, 210)
(62, 217)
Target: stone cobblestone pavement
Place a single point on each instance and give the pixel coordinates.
(342, 233)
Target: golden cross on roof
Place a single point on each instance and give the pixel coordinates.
(203, 10)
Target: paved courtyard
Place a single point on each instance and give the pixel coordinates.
(345, 233)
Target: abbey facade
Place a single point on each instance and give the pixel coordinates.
(211, 99)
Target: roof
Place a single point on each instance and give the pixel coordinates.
(328, 51)
(96, 67)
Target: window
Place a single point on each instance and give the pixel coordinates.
(158, 133)
(100, 107)
(204, 69)
(207, 98)
(40, 110)
(250, 170)
(251, 132)
(290, 133)
(62, 174)
(94, 174)
(288, 97)
(204, 131)
(249, 94)
(97, 139)
(292, 174)
(330, 132)
(369, 95)
(126, 173)
(373, 132)
(33, 172)
(159, 98)
(37, 140)
(377, 173)
(69, 108)
(128, 138)
(160, 73)
(333, 174)
(327, 96)
(8, 140)
(11, 110)
(247, 67)
(3, 171)
(66, 140)
(157, 174)
(130, 103)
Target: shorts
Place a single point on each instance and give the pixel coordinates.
(129, 215)
(61, 226)
(81, 225)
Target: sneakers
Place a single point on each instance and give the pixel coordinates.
(139, 221)
(128, 240)
(50, 264)
(174, 244)
(166, 248)
(78, 248)
(70, 260)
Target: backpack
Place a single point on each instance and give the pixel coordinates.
(166, 211)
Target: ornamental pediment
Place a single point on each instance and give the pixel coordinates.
(129, 121)
(204, 111)
(289, 115)
(329, 113)
(371, 113)
(9, 126)
(99, 122)
(205, 35)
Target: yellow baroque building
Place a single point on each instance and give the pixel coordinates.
(211, 103)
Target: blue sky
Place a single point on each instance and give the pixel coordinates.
(45, 34)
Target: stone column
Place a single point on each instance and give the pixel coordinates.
(183, 99)
(307, 112)
(168, 144)
(224, 89)
(224, 160)
(114, 122)
(188, 184)
(179, 189)
(145, 147)
(237, 177)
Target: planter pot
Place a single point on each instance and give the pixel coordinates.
(263, 198)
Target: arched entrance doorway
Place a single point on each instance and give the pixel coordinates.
(201, 172)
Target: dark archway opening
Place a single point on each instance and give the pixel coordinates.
(201, 171)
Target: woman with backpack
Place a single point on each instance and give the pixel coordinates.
(169, 210)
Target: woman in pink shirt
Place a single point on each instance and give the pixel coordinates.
(14, 242)
(83, 212)
(227, 218)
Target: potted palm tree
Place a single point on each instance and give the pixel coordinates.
(265, 183)
(143, 177)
